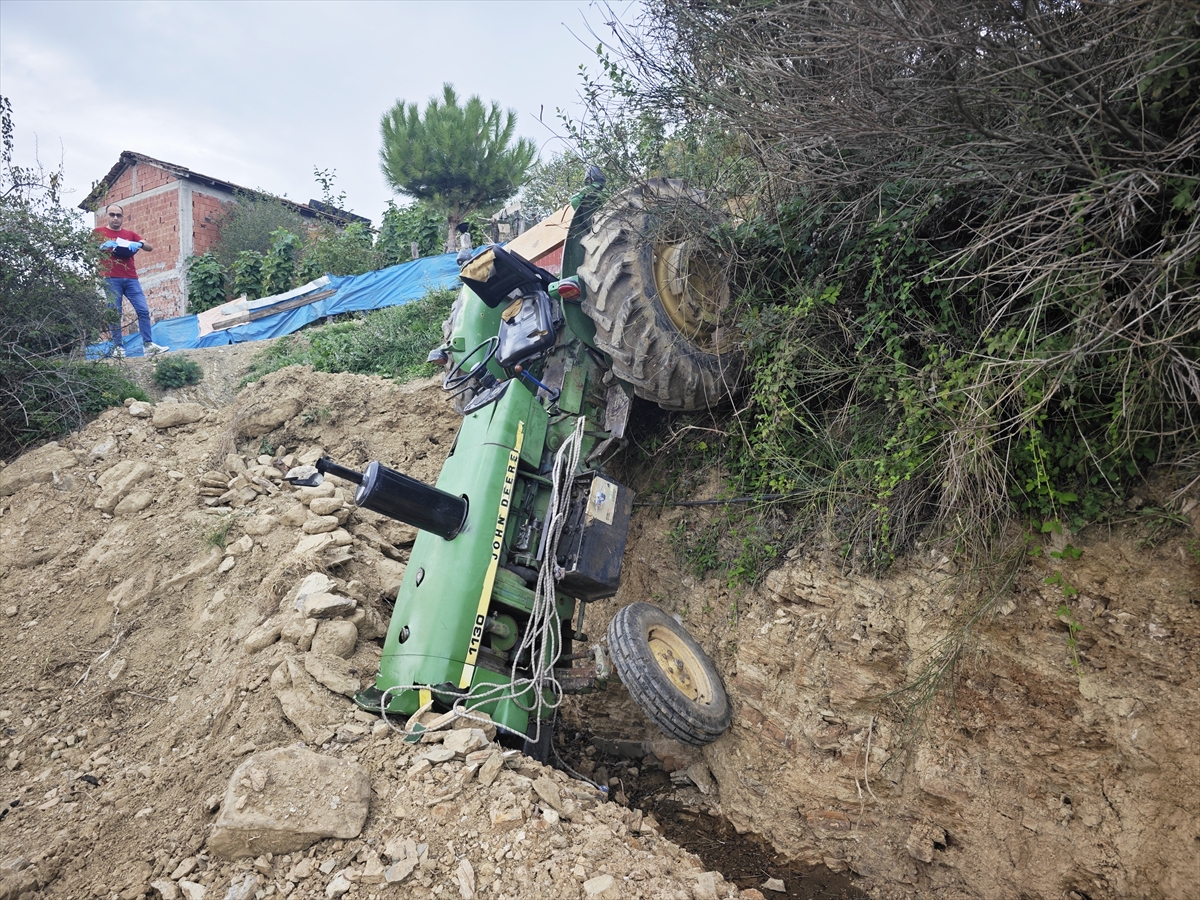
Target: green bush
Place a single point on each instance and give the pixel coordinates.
(52, 397)
(392, 342)
(248, 275)
(248, 225)
(50, 305)
(176, 371)
(206, 282)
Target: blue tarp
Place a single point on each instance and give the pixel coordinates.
(373, 290)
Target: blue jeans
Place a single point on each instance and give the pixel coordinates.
(130, 288)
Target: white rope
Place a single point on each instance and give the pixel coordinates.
(543, 634)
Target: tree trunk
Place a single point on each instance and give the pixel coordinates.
(453, 218)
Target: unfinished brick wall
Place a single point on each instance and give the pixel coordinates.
(206, 213)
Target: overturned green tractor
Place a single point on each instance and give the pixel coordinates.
(524, 526)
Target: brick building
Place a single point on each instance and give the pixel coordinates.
(176, 210)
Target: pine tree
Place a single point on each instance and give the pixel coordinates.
(457, 158)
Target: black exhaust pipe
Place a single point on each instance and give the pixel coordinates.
(403, 498)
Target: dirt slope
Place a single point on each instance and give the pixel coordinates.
(128, 694)
(138, 676)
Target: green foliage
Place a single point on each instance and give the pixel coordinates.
(279, 265)
(218, 536)
(248, 225)
(392, 342)
(458, 158)
(419, 223)
(248, 275)
(551, 184)
(338, 251)
(50, 305)
(975, 300)
(49, 397)
(1067, 616)
(205, 282)
(176, 371)
(634, 129)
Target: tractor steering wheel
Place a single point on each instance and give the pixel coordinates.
(456, 379)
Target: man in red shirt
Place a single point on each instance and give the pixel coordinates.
(121, 278)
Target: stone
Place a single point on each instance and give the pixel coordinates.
(474, 718)
(234, 464)
(505, 818)
(313, 583)
(702, 778)
(328, 606)
(341, 538)
(103, 449)
(247, 888)
(602, 887)
(226, 564)
(266, 413)
(548, 791)
(166, 889)
(241, 546)
(921, 841)
(116, 483)
(462, 741)
(465, 873)
(264, 635)
(372, 871)
(705, 887)
(260, 525)
(320, 525)
(332, 672)
(295, 515)
(192, 890)
(299, 631)
(312, 544)
(185, 868)
(170, 415)
(133, 504)
(335, 637)
(140, 409)
(288, 815)
(175, 475)
(307, 704)
(325, 506)
(490, 769)
(307, 495)
(338, 886)
(437, 755)
(369, 623)
(405, 856)
(776, 885)
(391, 574)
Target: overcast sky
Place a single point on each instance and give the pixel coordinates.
(258, 93)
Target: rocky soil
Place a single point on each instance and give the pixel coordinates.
(183, 632)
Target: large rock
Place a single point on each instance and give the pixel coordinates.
(335, 637)
(328, 606)
(36, 467)
(287, 799)
(306, 704)
(133, 503)
(168, 415)
(266, 414)
(333, 672)
(117, 482)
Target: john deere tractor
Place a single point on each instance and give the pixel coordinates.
(524, 526)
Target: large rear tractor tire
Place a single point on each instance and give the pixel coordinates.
(659, 296)
(668, 675)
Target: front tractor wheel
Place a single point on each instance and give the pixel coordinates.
(659, 296)
(668, 675)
